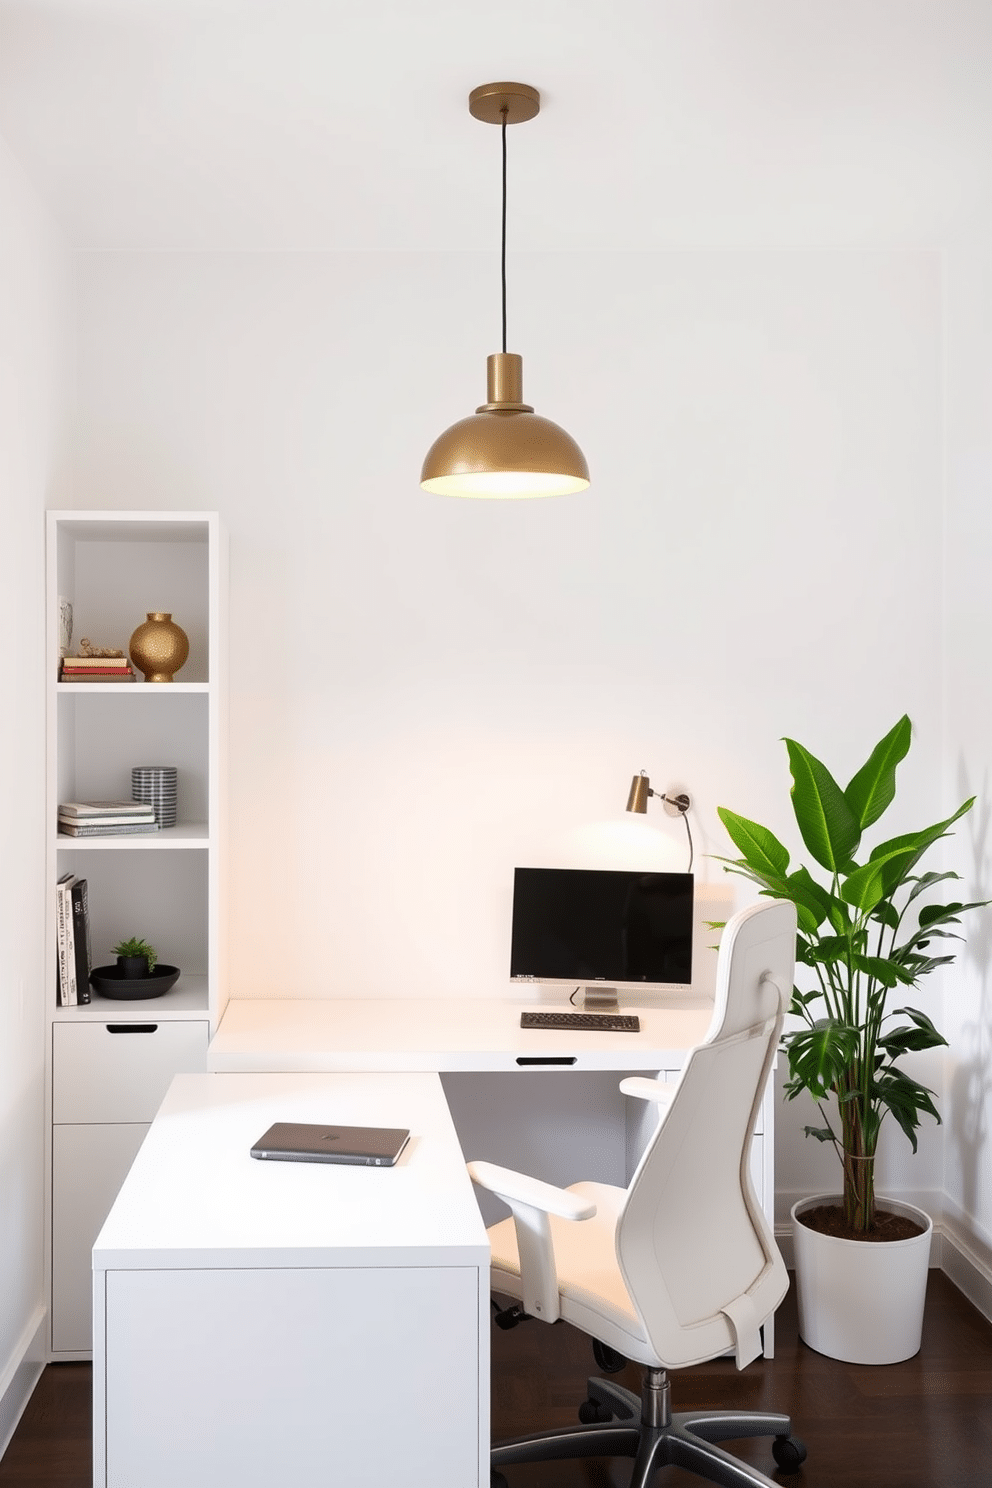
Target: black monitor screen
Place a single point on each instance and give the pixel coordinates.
(598, 924)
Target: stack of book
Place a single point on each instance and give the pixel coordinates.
(74, 960)
(96, 669)
(106, 818)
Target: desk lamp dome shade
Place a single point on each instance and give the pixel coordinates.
(504, 450)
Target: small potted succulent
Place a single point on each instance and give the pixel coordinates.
(135, 958)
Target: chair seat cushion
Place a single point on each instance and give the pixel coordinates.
(594, 1296)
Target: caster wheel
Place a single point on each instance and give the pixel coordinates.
(789, 1453)
(590, 1411)
(609, 1361)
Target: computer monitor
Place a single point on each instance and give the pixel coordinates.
(602, 928)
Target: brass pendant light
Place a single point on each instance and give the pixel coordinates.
(504, 449)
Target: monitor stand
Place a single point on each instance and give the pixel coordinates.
(599, 998)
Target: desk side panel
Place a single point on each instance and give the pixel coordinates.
(243, 1379)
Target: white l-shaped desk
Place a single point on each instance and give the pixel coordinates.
(544, 1101)
(559, 1127)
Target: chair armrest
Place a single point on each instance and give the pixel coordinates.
(531, 1201)
(645, 1089)
(522, 1189)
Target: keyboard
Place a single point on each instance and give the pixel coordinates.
(610, 1022)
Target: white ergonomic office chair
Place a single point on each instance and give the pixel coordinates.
(681, 1266)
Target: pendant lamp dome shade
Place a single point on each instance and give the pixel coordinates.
(504, 449)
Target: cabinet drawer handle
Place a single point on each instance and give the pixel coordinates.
(132, 1027)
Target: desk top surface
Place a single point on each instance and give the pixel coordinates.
(440, 1035)
(196, 1198)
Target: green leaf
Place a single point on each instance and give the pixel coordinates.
(827, 823)
(818, 1056)
(920, 939)
(921, 966)
(900, 854)
(827, 950)
(762, 850)
(880, 970)
(921, 1021)
(910, 967)
(873, 788)
(909, 1040)
(821, 1133)
(804, 890)
(938, 914)
(907, 1099)
(776, 888)
(865, 886)
(926, 881)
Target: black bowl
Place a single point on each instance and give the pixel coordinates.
(109, 981)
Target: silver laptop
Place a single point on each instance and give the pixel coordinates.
(363, 1146)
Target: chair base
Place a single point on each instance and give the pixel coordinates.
(654, 1437)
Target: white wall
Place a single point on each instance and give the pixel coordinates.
(967, 633)
(426, 692)
(31, 315)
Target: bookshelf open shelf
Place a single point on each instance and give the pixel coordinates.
(164, 887)
(188, 997)
(133, 689)
(192, 835)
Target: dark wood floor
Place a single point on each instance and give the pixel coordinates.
(923, 1424)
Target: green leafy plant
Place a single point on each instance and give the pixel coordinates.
(864, 933)
(136, 947)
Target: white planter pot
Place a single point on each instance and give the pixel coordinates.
(861, 1301)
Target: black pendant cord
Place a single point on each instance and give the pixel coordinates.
(503, 234)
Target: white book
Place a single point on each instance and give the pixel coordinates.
(125, 819)
(96, 809)
(107, 827)
(66, 942)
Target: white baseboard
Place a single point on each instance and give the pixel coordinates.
(20, 1375)
(783, 1239)
(967, 1267)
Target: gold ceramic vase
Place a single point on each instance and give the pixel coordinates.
(159, 647)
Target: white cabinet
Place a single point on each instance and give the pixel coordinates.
(110, 1071)
(89, 1164)
(111, 1061)
(108, 1080)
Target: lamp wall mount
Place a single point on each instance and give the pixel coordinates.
(676, 801)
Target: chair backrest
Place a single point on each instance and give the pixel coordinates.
(695, 1248)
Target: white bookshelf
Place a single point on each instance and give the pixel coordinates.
(115, 567)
